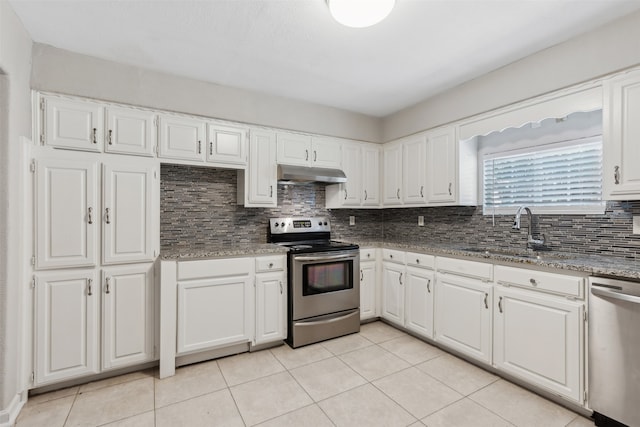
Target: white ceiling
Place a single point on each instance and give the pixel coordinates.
(293, 48)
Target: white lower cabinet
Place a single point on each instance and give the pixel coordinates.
(271, 299)
(419, 301)
(463, 315)
(127, 315)
(393, 292)
(66, 325)
(368, 284)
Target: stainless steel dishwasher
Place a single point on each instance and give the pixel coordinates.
(614, 352)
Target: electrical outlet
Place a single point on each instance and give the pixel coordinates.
(636, 224)
(352, 220)
(421, 220)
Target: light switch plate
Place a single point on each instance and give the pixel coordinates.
(352, 220)
(636, 224)
(421, 220)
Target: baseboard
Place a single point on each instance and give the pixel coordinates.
(8, 415)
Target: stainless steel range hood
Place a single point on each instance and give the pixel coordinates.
(301, 174)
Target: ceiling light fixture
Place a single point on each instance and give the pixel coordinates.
(360, 13)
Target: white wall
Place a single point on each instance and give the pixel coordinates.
(15, 65)
(610, 48)
(63, 71)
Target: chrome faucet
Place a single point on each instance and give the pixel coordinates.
(531, 242)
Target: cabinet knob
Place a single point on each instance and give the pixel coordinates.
(368, 255)
(391, 256)
(417, 261)
(270, 265)
(533, 282)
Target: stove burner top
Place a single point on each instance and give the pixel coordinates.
(305, 235)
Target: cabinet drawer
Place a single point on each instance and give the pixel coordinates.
(367, 254)
(420, 260)
(475, 269)
(214, 268)
(270, 263)
(541, 280)
(393, 256)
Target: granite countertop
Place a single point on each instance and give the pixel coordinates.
(592, 264)
(221, 250)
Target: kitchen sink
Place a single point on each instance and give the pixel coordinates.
(487, 252)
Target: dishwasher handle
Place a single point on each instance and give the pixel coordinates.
(607, 293)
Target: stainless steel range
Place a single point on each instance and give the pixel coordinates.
(324, 290)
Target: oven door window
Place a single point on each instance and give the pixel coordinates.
(327, 277)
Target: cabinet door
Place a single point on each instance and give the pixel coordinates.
(419, 301)
(621, 153)
(393, 292)
(326, 153)
(67, 213)
(351, 163)
(371, 175)
(182, 138)
(392, 175)
(262, 182)
(129, 203)
(414, 163)
(540, 339)
(214, 312)
(463, 315)
(66, 325)
(367, 290)
(294, 149)
(130, 131)
(76, 125)
(441, 170)
(227, 145)
(127, 315)
(271, 307)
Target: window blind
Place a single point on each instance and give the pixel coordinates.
(556, 177)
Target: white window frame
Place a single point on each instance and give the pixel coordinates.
(598, 208)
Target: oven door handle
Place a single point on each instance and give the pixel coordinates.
(323, 258)
(325, 321)
(614, 294)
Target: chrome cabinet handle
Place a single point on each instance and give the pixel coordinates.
(306, 154)
(361, 275)
(270, 265)
(345, 194)
(315, 155)
(110, 137)
(616, 175)
(368, 255)
(365, 194)
(211, 148)
(400, 278)
(486, 305)
(95, 140)
(533, 282)
(271, 191)
(391, 256)
(450, 189)
(398, 193)
(429, 285)
(500, 304)
(89, 287)
(107, 216)
(281, 287)
(107, 285)
(417, 260)
(422, 191)
(90, 215)
(199, 147)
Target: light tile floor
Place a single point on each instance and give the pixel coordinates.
(379, 377)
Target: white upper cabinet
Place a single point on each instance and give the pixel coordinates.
(392, 174)
(129, 206)
(442, 164)
(304, 150)
(371, 174)
(352, 166)
(72, 124)
(130, 131)
(226, 145)
(182, 138)
(258, 185)
(361, 165)
(67, 212)
(414, 163)
(621, 127)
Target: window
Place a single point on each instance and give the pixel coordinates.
(563, 177)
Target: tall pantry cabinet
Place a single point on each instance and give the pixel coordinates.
(96, 236)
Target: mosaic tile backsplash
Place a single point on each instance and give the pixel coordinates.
(198, 205)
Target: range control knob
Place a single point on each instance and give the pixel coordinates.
(320, 223)
(325, 223)
(276, 224)
(282, 224)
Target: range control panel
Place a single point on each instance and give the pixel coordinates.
(299, 225)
